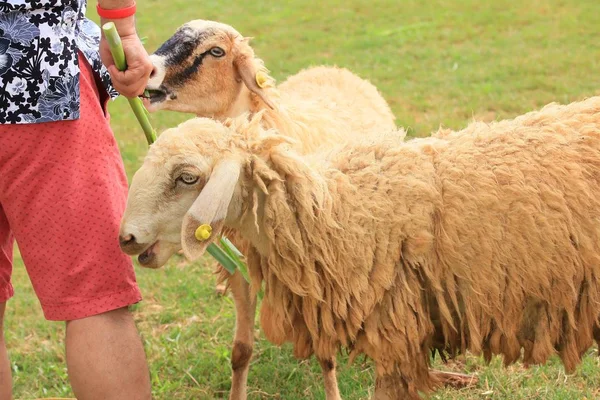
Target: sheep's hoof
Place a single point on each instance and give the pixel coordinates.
(390, 387)
(454, 379)
(220, 289)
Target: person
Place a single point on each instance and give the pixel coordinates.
(63, 187)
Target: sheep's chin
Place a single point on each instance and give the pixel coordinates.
(154, 106)
(157, 255)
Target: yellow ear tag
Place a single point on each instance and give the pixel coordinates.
(203, 232)
(261, 79)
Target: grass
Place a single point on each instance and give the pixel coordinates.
(437, 63)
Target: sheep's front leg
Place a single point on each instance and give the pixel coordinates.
(332, 391)
(244, 335)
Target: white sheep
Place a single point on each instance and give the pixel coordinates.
(209, 69)
(486, 240)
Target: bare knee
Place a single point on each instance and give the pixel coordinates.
(122, 313)
(240, 355)
(115, 318)
(105, 357)
(118, 316)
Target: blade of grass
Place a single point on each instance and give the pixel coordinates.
(236, 255)
(221, 256)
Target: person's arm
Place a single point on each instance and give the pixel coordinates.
(132, 82)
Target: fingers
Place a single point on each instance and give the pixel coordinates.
(131, 82)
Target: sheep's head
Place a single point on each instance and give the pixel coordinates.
(194, 174)
(203, 69)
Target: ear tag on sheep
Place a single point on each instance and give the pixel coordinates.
(261, 79)
(203, 232)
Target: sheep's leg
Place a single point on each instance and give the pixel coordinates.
(391, 387)
(394, 387)
(597, 336)
(332, 391)
(241, 354)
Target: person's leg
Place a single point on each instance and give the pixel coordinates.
(63, 188)
(5, 376)
(106, 359)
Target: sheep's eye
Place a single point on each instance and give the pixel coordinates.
(188, 179)
(217, 52)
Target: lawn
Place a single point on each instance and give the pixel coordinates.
(437, 63)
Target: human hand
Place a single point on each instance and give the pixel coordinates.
(131, 82)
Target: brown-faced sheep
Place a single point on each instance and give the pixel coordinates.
(487, 241)
(209, 69)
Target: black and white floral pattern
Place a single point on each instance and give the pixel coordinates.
(39, 69)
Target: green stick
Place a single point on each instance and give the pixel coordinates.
(116, 49)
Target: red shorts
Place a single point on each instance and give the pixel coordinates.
(63, 191)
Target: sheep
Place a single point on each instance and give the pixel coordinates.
(485, 240)
(209, 69)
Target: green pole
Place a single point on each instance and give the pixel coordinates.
(116, 49)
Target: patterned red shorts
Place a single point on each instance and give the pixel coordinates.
(62, 194)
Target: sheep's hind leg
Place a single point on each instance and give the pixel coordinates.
(597, 336)
(243, 343)
(455, 380)
(332, 391)
(394, 387)
(391, 387)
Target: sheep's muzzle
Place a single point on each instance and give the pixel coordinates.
(148, 257)
(156, 95)
(146, 253)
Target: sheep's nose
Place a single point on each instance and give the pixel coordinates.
(154, 71)
(126, 240)
(158, 72)
(130, 245)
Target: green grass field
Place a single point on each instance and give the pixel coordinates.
(437, 63)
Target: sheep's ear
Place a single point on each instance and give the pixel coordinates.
(210, 207)
(252, 79)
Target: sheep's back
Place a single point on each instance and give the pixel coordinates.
(336, 105)
(518, 235)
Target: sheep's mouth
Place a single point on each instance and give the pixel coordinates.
(148, 256)
(155, 95)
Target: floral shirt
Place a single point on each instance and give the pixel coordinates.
(39, 69)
